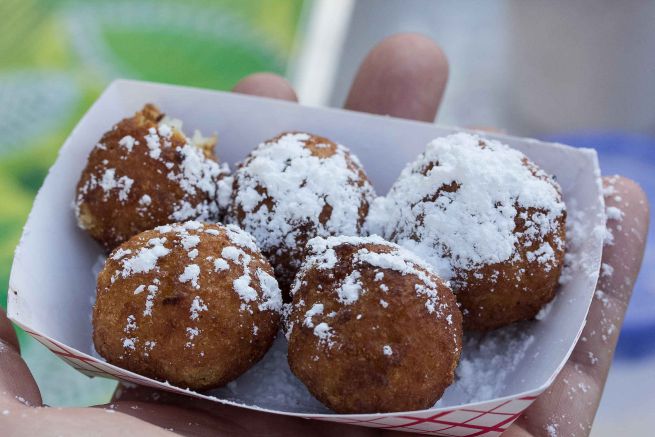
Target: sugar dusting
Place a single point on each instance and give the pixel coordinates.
(577, 233)
(270, 384)
(254, 286)
(488, 364)
(614, 216)
(457, 204)
(324, 192)
(197, 175)
(386, 255)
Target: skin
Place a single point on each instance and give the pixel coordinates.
(405, 76)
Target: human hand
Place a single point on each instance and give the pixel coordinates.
(404, 76)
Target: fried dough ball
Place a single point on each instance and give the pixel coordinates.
(143, 173)
(193, 304)
(371, 328)
(487, 219)
(294, 187)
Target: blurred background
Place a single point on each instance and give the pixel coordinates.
(582, 73)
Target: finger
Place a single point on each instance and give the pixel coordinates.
(7, 333)
(403, 76)
(16, 381)
(266, 85)
(627, 211)
(75, 422)
(570, 404)
(218, 418)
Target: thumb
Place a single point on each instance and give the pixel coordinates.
(16, 381)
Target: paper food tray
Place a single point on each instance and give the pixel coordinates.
(52, 284)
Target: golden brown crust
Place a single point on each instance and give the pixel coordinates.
(126, 187)
(192, 333)
(348, 370)
(496, 295)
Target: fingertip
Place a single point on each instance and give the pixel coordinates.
(627, 211)
(16, 381)
(631, 201)
(631, 189)
(404, 76)
(7, 333)
(266, 85)
(407, 41)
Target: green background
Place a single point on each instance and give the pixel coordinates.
(55, 59)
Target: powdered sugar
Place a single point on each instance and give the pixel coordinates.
(192, 333)
(129, 343)
(150, 298)
(190, 241)
(456, 205)
(191, 273)
(551, 429)
(606, 270)
(197, 306)
(130, 326)
(146, 258)
(271, 295)
(316, 309)
(153, 143)
(283, 187)
(324, 334)
(110, 184)
(270, 384)
(614, 213)
(128, 142)
(220, 264)
(486, 368)
(350, 288)
(243, 288)
(236, 255)
(322, 255)
(118, 254)
(253, 285)
(578, 232)
(240, 238)
(488, 362)
(196, 174)
(371, 253)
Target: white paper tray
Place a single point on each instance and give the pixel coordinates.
(52, 286)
